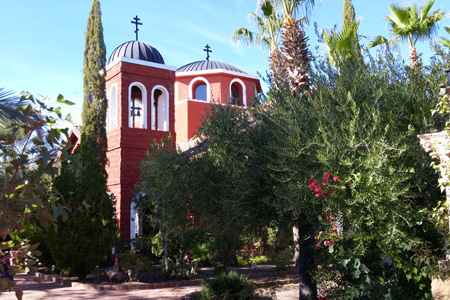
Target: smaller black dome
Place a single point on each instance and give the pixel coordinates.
(204, 65)
(137, 50)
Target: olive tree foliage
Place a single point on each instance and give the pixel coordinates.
(215, 188)
(361, 124)
(30, 143)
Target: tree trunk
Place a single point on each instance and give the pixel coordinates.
(414, 62)
(296, 237)
(305, 263)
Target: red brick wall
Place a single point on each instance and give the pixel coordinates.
(126, 146)
(189, 113)
(219, 85)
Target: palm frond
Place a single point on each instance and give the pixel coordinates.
(242, 35)
(445, 41)
(381, 40)
(9, 102)
(294, 7)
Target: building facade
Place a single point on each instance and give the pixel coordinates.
(149, 100)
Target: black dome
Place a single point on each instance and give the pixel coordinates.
(205, 65)
(137, 50)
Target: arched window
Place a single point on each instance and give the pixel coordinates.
(200, 91)
(136, 108)
(112, 109)
(238, 92)
(235, 97)
(160, 108)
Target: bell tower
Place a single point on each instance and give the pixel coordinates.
(140, 93)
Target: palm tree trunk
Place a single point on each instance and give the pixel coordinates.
(414, 62)
(277, 68)
(296, 56)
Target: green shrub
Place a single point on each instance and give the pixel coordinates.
(228, 286)
(138, 263)
(203, 253)
(259, 259)
(243, 261)
(220, 269)
(282, 259)
(178, 268)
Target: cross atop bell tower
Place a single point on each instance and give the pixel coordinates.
(136, 21)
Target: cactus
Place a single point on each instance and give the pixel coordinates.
(178, 268)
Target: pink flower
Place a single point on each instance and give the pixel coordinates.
(317, 188)
(327, 243)
(336, 178)
(330, 192)
(325, 185)
(318, 245)
(316, 237)
(326, 176)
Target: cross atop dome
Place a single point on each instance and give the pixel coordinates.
(207, 51)
(136, 21)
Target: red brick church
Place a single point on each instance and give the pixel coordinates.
(149, 100)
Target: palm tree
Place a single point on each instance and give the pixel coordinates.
(267, 37)
(8, 107)
(278, 16)
(294, 45)
(343, 45)
(411, 24)
(11, 121)
(16, 114)
(445, 41)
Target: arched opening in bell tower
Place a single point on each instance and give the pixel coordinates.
(112, 115)
(137, 105)
(160, 108)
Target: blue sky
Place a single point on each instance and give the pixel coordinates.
(43, 41)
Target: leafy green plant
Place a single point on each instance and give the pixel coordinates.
(259, 259)
(203, 253)
(228, 286)
(29, 145)
(178, 268)
(138, 263)
(221, 269)
(243, 261)
(281, 259)
(157, 244)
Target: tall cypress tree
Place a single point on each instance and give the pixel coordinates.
(348, 16)
(86, 238)
(93, 130)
